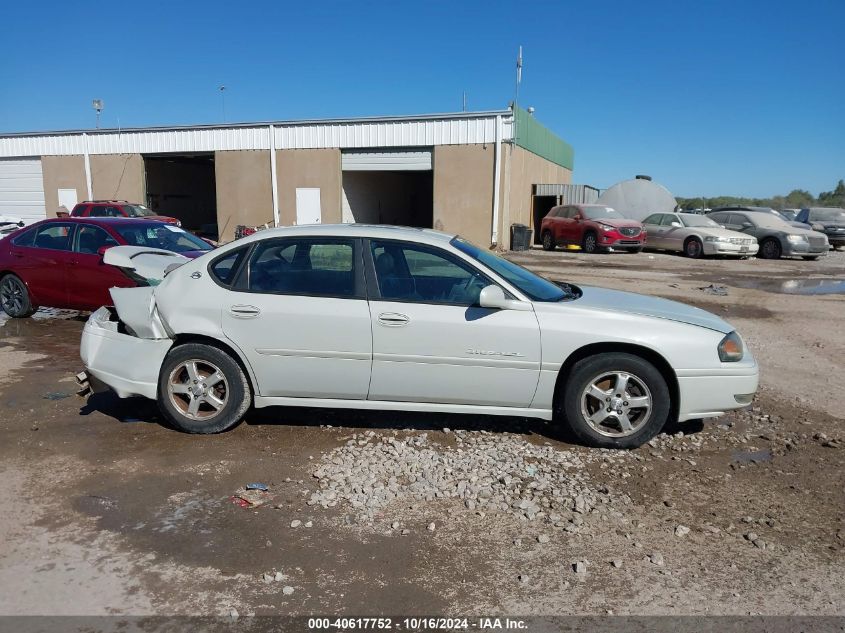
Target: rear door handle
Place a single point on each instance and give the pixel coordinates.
(244, 312)
(393, 319)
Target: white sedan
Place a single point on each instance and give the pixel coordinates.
(388, 318)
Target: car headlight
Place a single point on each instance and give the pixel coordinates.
(606, 227)
(730, 348)
(796, 239)
(178, 222)
(720, 239)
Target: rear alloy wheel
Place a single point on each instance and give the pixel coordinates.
(615, 400)
(693, 248)
(14, 297)
(770, 248)
(201, 389)
(548, 241)
(590, 244)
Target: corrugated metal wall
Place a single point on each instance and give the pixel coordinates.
(420, 132)
(570, 194)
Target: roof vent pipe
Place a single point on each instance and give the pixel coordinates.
(642, 177)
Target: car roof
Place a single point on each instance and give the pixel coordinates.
(75, 219)
(377, 231)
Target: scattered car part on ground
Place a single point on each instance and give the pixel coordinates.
(777, 237)
(827, 220)
(695, 235)
(62, 262)
(593, 227)
(353, 316)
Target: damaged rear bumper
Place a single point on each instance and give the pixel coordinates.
(127, 364)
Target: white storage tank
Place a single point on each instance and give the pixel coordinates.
(638, 198)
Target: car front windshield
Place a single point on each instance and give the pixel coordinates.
(160, 235)
(601, 213)
(138, 211)
(698, 220)
(827, 215)
(533, 286)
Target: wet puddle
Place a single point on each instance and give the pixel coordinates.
(796, 286)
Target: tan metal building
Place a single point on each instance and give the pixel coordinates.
(471, 173)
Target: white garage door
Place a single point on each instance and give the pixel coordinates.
(22, 189)
(386, 160)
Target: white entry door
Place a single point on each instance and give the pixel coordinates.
(67, 199)
(308, 205)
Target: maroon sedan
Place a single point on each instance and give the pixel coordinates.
(59, 262)
(593, 227)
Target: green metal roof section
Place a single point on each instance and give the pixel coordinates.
(538, 139)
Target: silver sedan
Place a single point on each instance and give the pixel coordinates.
(696, 235)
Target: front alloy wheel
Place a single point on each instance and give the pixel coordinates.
(616, 404)
(14, 297)
(590, 243)
(693, 248)
(614, 400)
(548, 241)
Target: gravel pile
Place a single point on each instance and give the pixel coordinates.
(485, 472)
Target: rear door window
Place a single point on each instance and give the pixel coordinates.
(27, 238)
(223, 269)
(54, 237)
(318, 267)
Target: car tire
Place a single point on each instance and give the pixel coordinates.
(693, 248)
(548, 241)
(590, 243)
(14, 297)
(770, 248)
(811, 259)
(643, 382)
(190, 401)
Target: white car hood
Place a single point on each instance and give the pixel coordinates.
(618, 301)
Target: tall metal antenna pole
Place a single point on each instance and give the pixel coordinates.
(516, 91)
(223, 101)
(465, 101)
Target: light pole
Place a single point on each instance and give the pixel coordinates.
(223, 100)
(98, 106)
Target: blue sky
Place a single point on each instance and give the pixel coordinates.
(708, 97)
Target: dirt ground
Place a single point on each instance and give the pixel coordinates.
(105, 511)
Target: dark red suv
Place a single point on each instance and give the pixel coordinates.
(118, 209)
(593, 227)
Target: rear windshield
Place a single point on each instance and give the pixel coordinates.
(137, 211)
(827, 215)
(160, 235)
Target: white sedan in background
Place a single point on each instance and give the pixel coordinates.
(388, 318)
(696, 235)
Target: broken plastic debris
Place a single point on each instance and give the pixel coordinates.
(262, 487)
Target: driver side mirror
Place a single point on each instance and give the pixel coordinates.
(102, 251)
(493, 296)
(677, 225)
(747, 225)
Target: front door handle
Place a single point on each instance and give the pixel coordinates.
(244, 312)
(393, 319)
